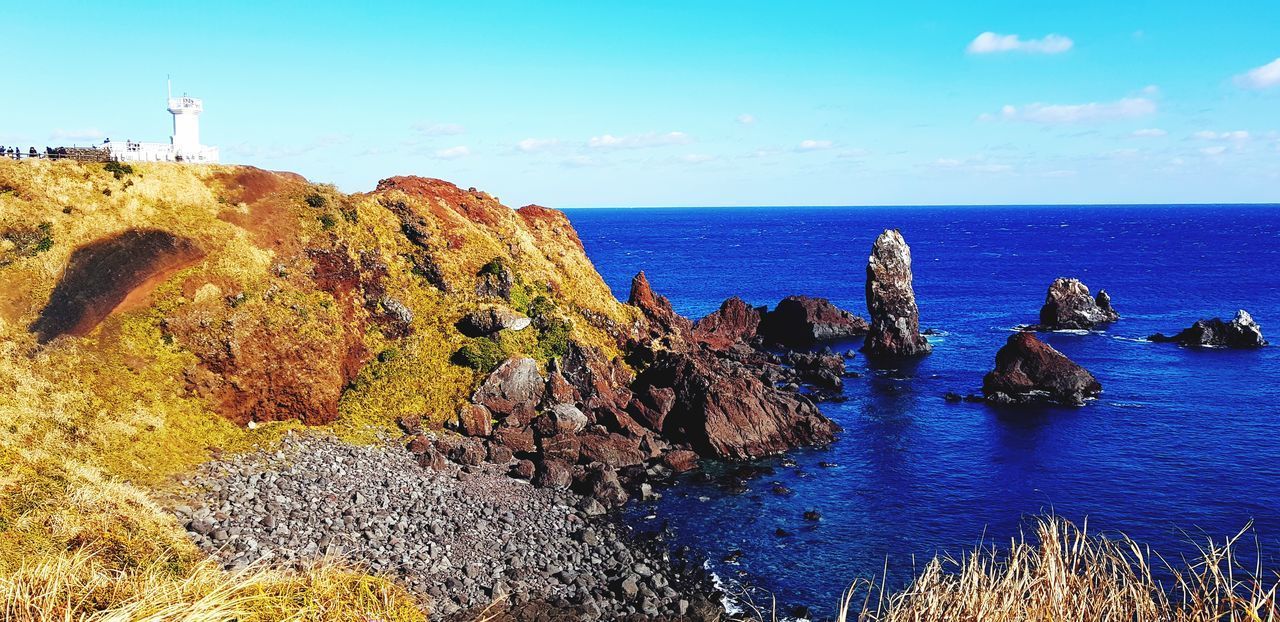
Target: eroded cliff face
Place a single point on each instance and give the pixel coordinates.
(259, 296)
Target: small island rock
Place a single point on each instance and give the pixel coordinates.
(891, 302)
(1068, 305)
(1029, 370)
(801, 321)
(1241, 332)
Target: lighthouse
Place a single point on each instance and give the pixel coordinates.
(184, 145)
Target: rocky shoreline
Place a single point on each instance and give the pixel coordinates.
(464, 538)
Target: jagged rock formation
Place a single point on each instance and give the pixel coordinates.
(891, 302)
(735, 321)
(490, 320)
(1029, 371)
(1068, 305)
(1241, 332)
(801, 321)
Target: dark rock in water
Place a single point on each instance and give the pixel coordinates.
(1240, 332)
(514, 389)
(1029, 370)
(1068, 305)
(781, 533)
(780, 489)
(491, 320)
(801, 321)
(952, 397)
(891, 302)
(735, 321)
(812, 515)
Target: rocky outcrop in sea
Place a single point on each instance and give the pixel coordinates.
(1241, 332)
(1031, 371)
(891, 302)
(1068, 305)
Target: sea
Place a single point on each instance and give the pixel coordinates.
(1182, 446)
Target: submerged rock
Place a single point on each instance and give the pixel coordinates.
(891, 302)
(1240, 332)
(1029, 370)
(1068, 305)
(801, 321)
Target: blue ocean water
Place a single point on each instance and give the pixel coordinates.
(1183, 444)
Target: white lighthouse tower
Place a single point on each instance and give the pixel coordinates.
(184, 145)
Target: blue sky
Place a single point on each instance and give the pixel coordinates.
(684, 103)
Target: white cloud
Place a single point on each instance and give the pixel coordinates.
(1150, 132)
(531, 145)
(814, 145)
(696, 158)
(1127, 108)
(1236, 135)
(1059, 174)
(992, 43)
(1263, 77)
(638, 141)
(85, 135)
(453, 153)
(746, 119)
(1214, 151)
(439, 129)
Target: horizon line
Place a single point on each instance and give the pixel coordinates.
(921, 205)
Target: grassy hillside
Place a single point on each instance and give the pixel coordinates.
(261, 298)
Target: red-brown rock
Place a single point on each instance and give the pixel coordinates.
(680, 460)
(563, 447)
(519, 440)
(514, 389)
(1068, 305)
(613, 450)
(656, 308)
(553, 474)
(735, 321)
(475, 420)
(523, 469)
(1029, 370)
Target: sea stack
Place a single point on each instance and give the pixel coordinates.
(1068, 305)
(1241, 333)
(891, 303)
(1029, 371)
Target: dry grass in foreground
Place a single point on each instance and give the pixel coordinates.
(1065, 573)
(77, 587)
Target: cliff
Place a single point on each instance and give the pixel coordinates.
(153, 317)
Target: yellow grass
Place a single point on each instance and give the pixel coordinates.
(1064, 573)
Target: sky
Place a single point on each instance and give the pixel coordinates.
(583, 104)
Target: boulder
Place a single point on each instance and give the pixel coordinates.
(498, 454)
(475, 420)
(600, 482)
(567, 418)
(735, 321)
(680, 460)
(523, 469)
(470, 452)
(1068, 305)
(553, 474)
(517, 439)
(613, 450)
(650, 406)
(723, 409)
(514, 389)
(491, 320)
(1029, 370)
(801, 321)
(891, 302)
(1240, 332)
(562, 447)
